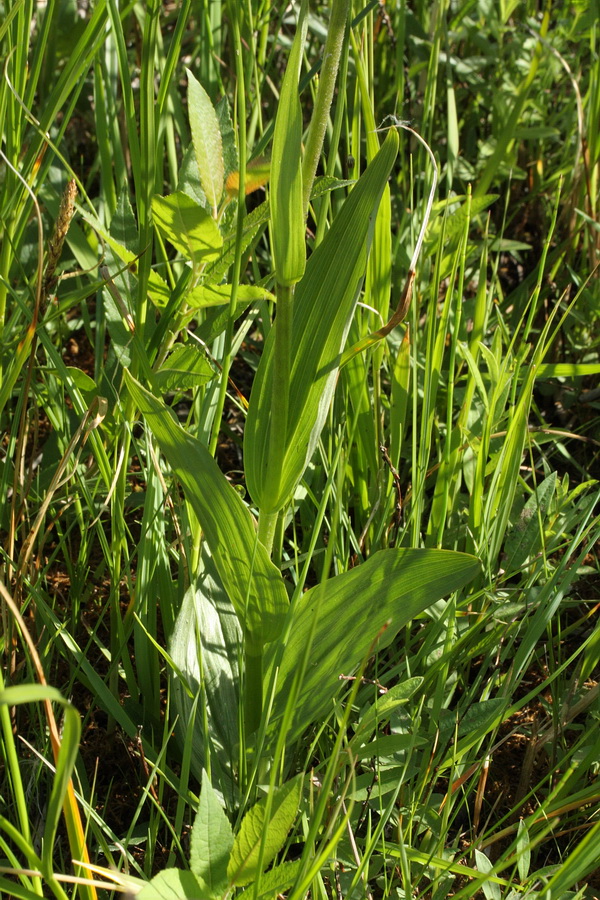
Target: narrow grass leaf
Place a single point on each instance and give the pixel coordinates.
(252, 582)
(211, 841)
(258, 833)
(208, 144)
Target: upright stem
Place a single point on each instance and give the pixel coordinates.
(318, 124)
(281, 385)
(253, 673)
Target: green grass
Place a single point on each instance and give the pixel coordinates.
(299, 503)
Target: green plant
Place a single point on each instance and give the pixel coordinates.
(287, 634)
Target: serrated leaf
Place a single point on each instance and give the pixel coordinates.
(211, 841)
(208, 145)
(256, 828)
(230, 154)
(185, 367)
(324, 184)
(275, 881)
(174, 884)
(217, 294)
(187, 226)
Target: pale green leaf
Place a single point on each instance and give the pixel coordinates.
(260, 838)
(205, 647)
(217, 294)
(211, 841)
(567, 370)
(490, 888)
(174, 884)
(186, 366)
(187, 226)
(523, 851)
(208, 145)
(274, 882)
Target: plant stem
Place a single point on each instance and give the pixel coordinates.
(318, 123)
(253, 686)
(281, 385)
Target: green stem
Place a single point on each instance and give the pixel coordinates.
(281, 385)
(253, 671)
(267, 523)
(318, 124)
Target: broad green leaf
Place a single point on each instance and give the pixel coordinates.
(275, 881)
(208, 145)
(188, 227)
(124, 225)
(288, 227)
(525, 538)
(174, 884)
(217, 294)
(253, 583)
(211, 841)
(186, 366)
(256, 829)
(324, 304)
(475, 722)
(230, 154)
(335, 624)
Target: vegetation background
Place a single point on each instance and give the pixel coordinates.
(356, 656)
